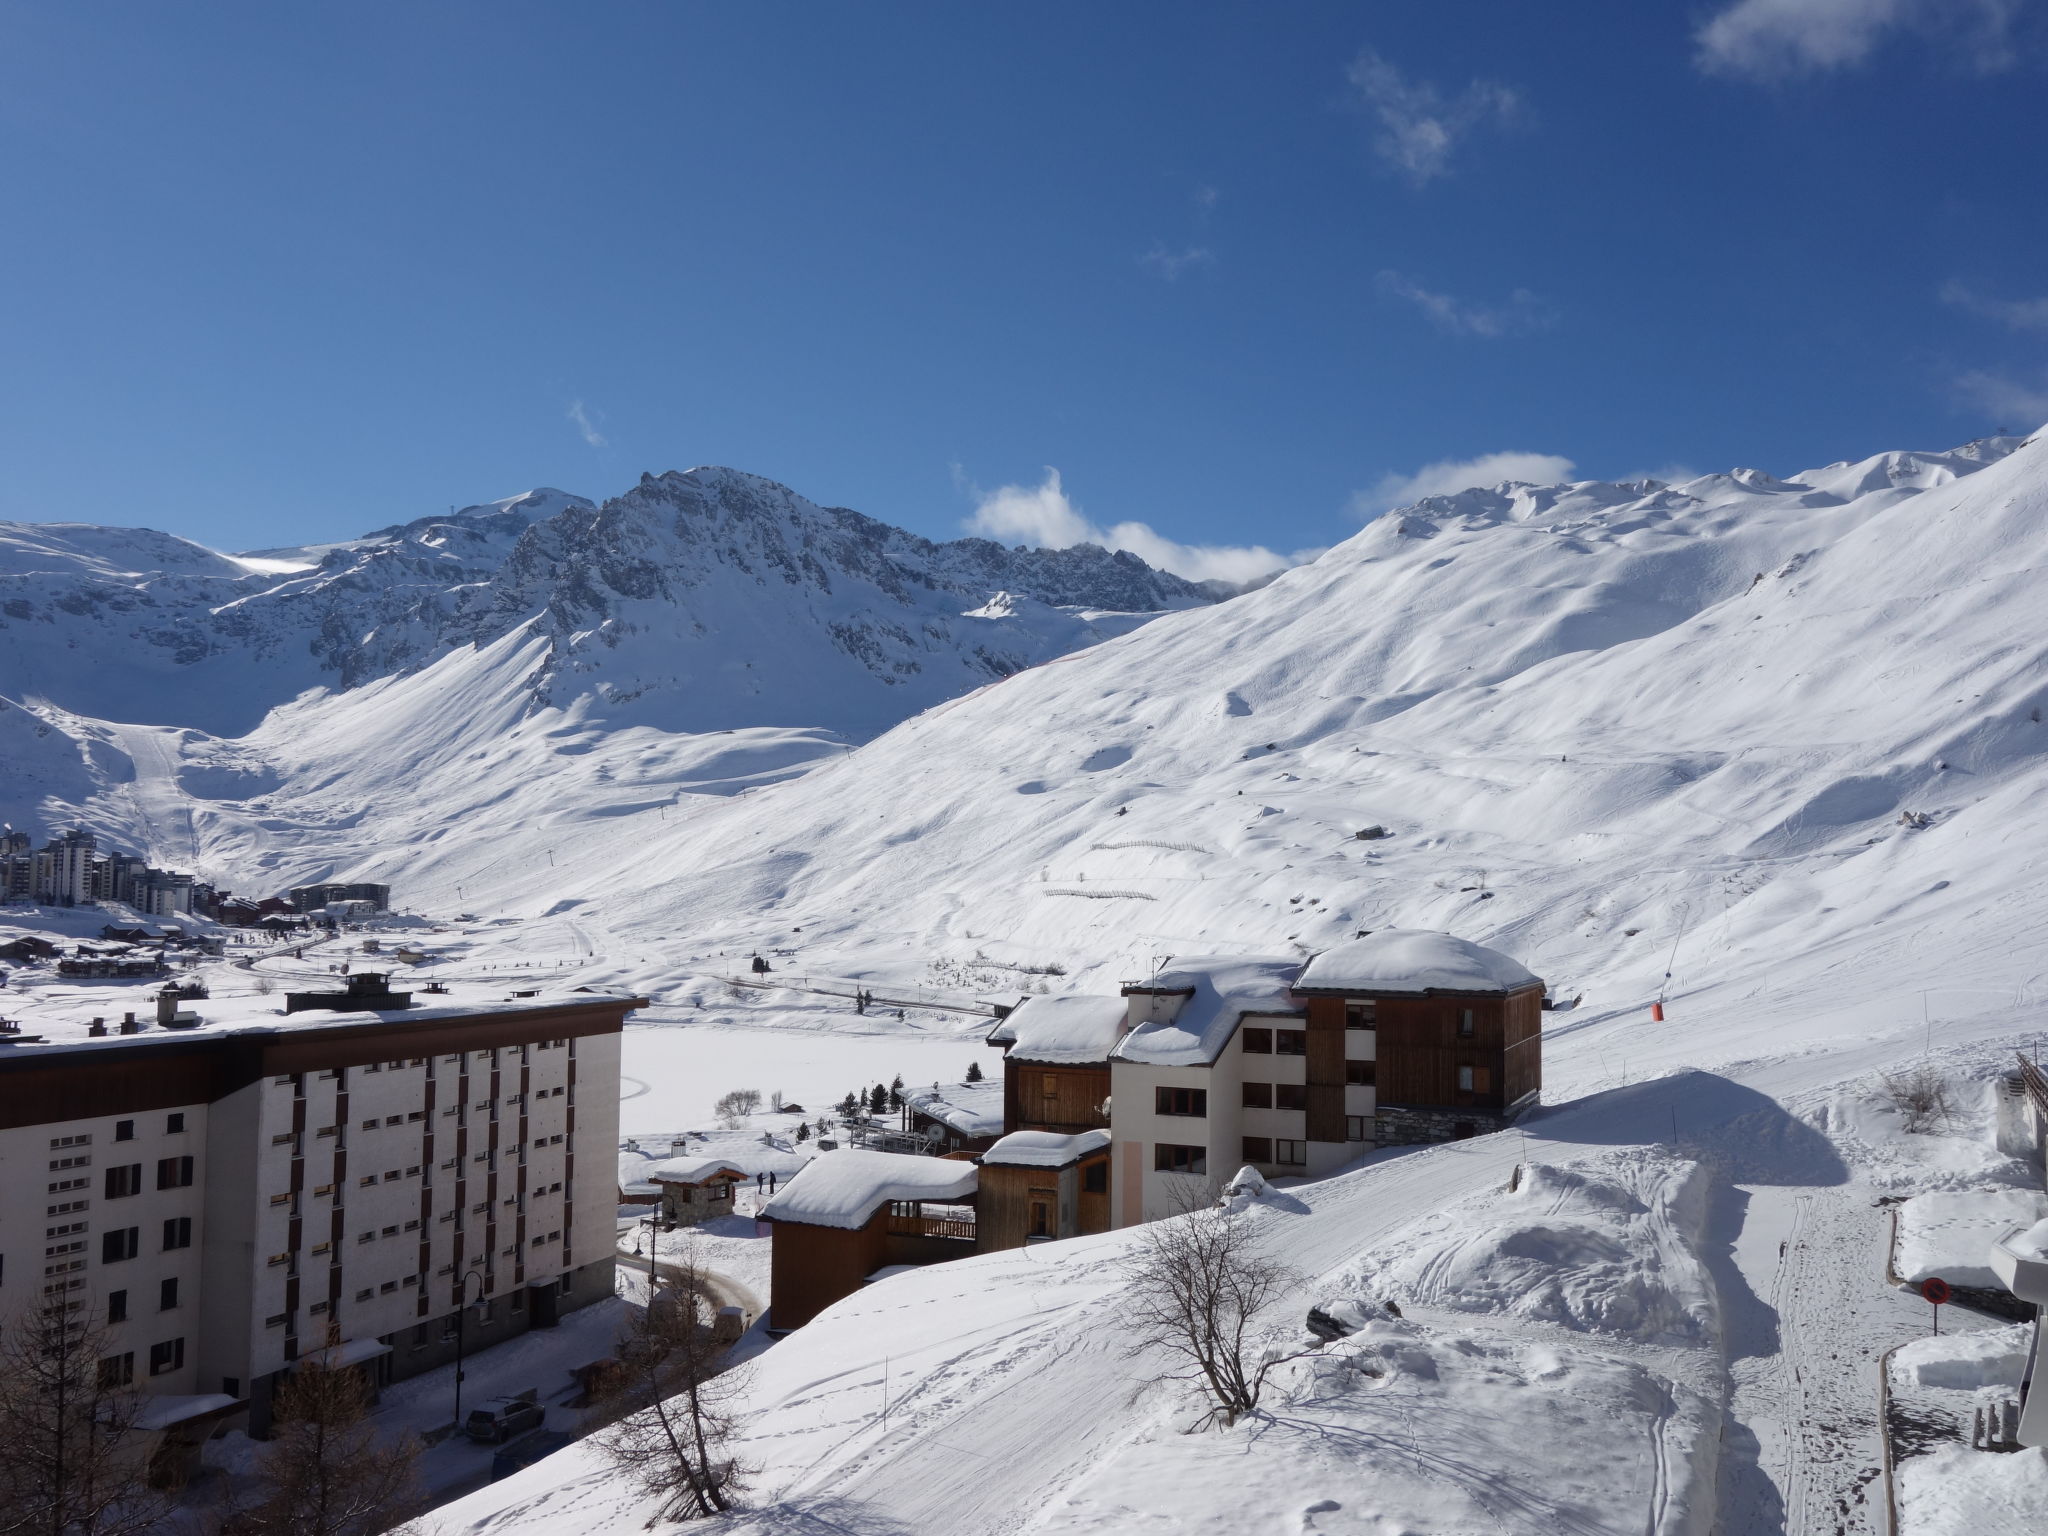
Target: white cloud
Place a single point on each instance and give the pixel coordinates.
(1170, 264)
(1449, 476)
(2020, 314)
(1775, 39)
(2021, 404)
(1205, 200)
(1523, 313)
(578, 414)
(1419, 127)
(1043, 515)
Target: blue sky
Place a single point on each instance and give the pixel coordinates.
(1237, 273)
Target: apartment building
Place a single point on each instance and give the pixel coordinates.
(226, 1198)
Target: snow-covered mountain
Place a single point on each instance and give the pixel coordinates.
(710, 598)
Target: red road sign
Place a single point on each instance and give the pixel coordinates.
(1935, 1290)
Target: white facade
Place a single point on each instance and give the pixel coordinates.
(217, 1241)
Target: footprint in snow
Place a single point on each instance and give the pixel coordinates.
(1309, 1513)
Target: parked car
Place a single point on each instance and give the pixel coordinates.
(495, 1421)
(526, 1450)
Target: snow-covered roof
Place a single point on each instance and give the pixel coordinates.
(161, 1412)
(1413, 961)
(843, 1189)
(972, 1109)
(1066, 1029)
(633, 1167)
(1222, 991)
(691, 1170)
(1043, 1149)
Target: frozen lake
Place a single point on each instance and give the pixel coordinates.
(673, 1073)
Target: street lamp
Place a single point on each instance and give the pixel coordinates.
(462, 1306)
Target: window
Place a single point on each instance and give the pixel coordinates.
(1465, 1080)
(1258, 1095)
(1362, 1073)
(56, 1250)
(58, 1143)
(1257, 1042)
(123, 1180)
(65, 1208)
(1290, 1042)
(64, 1186)
(1168, 1158)
(1465, 1023)
(167, 1356)
(65, 1230)
(1361, 1014)
(1258, 1149)
(173, 1172)
(124, 1130)
(231, 1385)
(1290, 1096)
(75, 1160)
(1354, 1128)
(1094, 1179)
(123, 1244)
(117, 1306)
(1180, 1101)
(173, 1124)
(117, 1371)
(167, 1296)
(1290, 1154)
(1482, 1078)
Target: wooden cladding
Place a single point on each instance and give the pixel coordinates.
(1459, 1052)
(1065, 1100)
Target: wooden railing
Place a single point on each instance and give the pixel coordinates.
(2037, 1085)
(931, 1226)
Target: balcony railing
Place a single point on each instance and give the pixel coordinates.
(931, 1226)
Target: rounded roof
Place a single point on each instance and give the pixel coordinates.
(1414, 961)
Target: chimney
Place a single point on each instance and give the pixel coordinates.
(98, 1027)
(129, 1026)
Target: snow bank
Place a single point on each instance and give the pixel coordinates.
(1065, 1030)
(1412, 960)
(1603, 1245)
(845, 1188)
(1965, 1362)
(1401, 1429)
(1950, 1234)
(1960, 1492)
(1220, 993)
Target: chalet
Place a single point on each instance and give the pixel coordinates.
(968, 1117)
(635, 1188)
(1056, 1053)
(1038, 1185)
(1456, 1030)
(852, 1212)
(694, 1189)
(27, 950)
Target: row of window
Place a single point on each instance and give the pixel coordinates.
(1259, 1040)
(1194, 1102)
(119, 1370)
(126, 1242)
(125, 1179)
(124, 1130)
(1280, 1151)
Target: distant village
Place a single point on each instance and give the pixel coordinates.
(73, 870)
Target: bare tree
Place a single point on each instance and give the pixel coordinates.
(327, 1471)
(1200, 1286)
(737, 1105)
(1921, 1095)
(673, 1440)
(73, 1453)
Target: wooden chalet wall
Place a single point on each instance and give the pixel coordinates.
(1326, 1069)
(812, 1267)
(1066, 1100)
(1522, 1070)
(1420, 1050)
